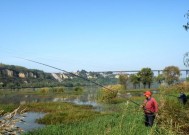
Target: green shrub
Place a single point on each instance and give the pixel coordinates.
(108, 94)
(173, 116)
(44, 90)
(58, 89)
(78, 89)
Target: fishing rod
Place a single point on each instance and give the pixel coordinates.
(77, 76)
(170, 95)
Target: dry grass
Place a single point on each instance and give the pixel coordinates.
(8, 122)
(174, 116)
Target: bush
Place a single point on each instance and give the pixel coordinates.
(173, 116)
(58, 89)
(78, 90)
(108, 95)
(44, 90)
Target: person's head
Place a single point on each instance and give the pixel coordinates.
(147, 94)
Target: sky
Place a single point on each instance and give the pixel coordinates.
(94, 35)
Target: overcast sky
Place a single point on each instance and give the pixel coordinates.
(94, 35)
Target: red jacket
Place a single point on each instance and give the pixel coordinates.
(150, 105)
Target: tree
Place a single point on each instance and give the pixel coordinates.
(135, 79)
(160, 78)
(186, 27)
(123, 80)
(83, 73)
(1, 85)
(187, 79)
(146, 76)
(171, 74)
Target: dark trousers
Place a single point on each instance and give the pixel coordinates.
(149, 119)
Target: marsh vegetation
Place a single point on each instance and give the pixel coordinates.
(118, 116)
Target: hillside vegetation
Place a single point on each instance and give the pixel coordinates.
(15, 77)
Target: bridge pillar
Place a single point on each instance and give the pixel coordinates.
(159, 72)
(187, 73)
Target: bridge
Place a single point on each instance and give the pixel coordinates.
(158, 71)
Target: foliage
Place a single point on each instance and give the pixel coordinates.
(61, 112)
(172, 115)
(160, 78)
(58, 89)
(109, 93)
(171, 74)
(146, 76)
(180, 87)
(78, 89)
(7, 107)
(83, 73)
(9, 78)
(135, 79)
(128, 120)
(44, 90)
(67, 118)
(186, 26)
(123, 80)
(109, 124)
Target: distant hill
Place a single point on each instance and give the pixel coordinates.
(12, 76)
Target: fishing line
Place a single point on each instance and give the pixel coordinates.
(168, 95)
(84, 78)
(77, 76)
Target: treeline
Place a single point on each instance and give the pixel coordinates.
(20, 77)
(104, 79)
(145, 77)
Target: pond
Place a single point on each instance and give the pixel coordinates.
(88, 97)
(29, 121)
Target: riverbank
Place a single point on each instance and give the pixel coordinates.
(118, 117)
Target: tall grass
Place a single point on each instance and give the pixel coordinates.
(127, 118)
(174, 116)
(128, 121)
(61, 112)
(8, 107)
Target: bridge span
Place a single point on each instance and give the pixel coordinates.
(158, 71)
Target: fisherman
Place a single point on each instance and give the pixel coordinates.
(182, 98)
(150, 108)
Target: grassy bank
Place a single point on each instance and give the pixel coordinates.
(71, 119)
(122, 118)
(172, 119)
(128, 121)
(61, 112)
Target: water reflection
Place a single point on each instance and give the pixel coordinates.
(87, 98)
(22, 99)
(29, 121)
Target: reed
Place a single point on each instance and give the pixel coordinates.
(8, 121)
(128, 121)
(173, 116)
